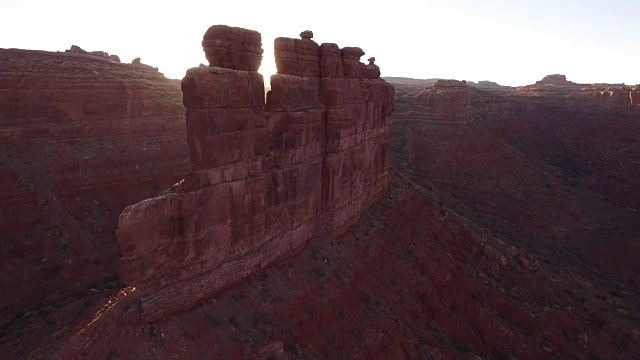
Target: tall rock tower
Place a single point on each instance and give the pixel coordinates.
(267, 176)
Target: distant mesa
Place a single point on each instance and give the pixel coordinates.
(556, 80)
(413, 85)
(556, 83)
(450, 83)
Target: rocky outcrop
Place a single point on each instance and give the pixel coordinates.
(450, 102)
(443, 84)
(556, 80)
(81, 138)
(491, 86)
(267, 177)
(553, 96)
(75, 49)
(233, 48)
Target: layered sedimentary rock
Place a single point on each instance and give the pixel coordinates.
(554, 96)
(81, 137)
(558, 95)
(233, 48)
(555, 163)
(443, 100)
(266, 177)
(589, 134)
(491, 86)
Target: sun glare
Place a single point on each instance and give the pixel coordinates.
(268, 66)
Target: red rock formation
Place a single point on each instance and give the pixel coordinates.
(233, 48)
(266, 177)
(556, 165)
(299, 57)
(600, 98)
(81, 137)
(75, 49)
(353, 68)
(491, 86)
(496, 286)
(412, 280)
(443, 84)
(555, 80)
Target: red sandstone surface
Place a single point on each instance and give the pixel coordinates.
(509, 230)
(267, 177)
(552, 169)
(413, 279)
(81, 137)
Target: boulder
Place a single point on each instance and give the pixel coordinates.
(233, 48)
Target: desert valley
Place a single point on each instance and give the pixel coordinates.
(338, 215)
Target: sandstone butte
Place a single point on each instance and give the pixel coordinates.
(494, 242)
(269, 173)
(82, 136)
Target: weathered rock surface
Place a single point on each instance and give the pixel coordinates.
(588, 129)
(490, 283)
(266, 178)
(491, 86)
(75, 49)
(233, 48)
(81, 137)
(553, 166)
(369, 293)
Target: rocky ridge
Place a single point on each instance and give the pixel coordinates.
(551, 169)
(82, 136)
(267, 176)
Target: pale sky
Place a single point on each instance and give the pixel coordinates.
(511, 42)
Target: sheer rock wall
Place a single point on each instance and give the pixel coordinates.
(267, 176)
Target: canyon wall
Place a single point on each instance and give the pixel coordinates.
(555, 165)
(82, 136)
(267, 176)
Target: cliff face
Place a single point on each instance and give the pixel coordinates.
(267, 177)
(586, 131)
(81, 137)
(590, 132)
(556, 96)
(511, 279)
(554, 165)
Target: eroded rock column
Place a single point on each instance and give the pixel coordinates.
(266, 178)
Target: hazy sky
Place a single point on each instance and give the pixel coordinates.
(512, 42)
